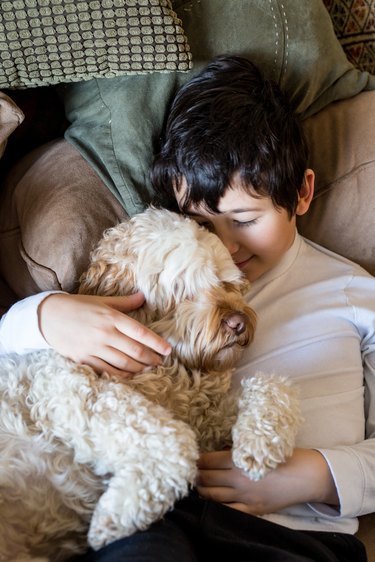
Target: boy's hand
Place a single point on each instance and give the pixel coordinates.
(96, 331)
(304, 477)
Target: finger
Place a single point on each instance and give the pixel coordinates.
(212, 478)
(101, 366)
(139, 333)
(134, 329)
(122, 346)
(121, 361)
(126, 303)
(245, 508)
(217, 494)
(216, 460)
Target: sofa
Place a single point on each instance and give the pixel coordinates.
(78, 132)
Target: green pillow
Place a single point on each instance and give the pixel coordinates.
(44, 42)
(116, 123)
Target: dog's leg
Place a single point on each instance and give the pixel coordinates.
(268, 420)
(152, 459)
(147, 458)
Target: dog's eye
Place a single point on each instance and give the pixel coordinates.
(240, 288)
(231, 287)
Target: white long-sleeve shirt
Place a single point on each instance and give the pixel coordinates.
(316, 325)
(19, 327)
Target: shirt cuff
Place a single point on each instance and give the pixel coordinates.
(19, 327)
(348, 476)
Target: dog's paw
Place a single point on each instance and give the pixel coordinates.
(256, 465)
(104, 530)
(269, 417)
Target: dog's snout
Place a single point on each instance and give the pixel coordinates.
(235, 323)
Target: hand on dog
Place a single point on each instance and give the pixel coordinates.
(94, 330)
(304, 477)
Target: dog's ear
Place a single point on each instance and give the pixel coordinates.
(111, 269)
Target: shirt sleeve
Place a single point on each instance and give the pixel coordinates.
(352, 466)
(19, 327)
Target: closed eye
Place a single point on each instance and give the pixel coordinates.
(241, 224)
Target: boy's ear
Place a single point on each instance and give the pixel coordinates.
(306, 193)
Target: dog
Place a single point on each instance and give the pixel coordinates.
(86, 459)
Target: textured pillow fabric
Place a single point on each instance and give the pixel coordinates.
(354, 25)
(46, 42)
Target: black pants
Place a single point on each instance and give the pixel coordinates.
(201, 531)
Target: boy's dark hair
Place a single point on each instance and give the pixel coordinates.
(228, 119)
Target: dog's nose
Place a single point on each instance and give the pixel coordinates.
(235, 322)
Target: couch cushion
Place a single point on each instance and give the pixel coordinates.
(116, 123)
(53, 211)
(342, 146)
(46, 42)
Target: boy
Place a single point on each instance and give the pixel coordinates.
(234, 158)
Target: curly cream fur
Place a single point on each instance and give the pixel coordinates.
(88, 458)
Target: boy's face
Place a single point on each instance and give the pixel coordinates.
(255, 232)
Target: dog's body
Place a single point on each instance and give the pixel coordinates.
(81, 453)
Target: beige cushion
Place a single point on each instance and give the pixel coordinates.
(342, 144)
(53, 209)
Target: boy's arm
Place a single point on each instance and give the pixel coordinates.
(91, 329)
(304, 478)
(352, 466)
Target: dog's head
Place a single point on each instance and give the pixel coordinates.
(193, 289)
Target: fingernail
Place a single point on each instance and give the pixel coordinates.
(168, 350)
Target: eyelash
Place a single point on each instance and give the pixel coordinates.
(246, 223)
(239, 224)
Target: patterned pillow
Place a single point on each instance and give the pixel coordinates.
(45, 42)
(354, 25)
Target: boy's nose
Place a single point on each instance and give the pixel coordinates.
(227, 239)
(231, 245)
